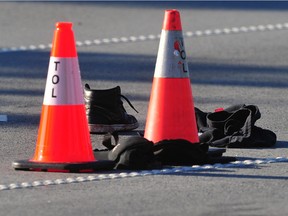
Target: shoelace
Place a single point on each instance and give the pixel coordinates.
(130, 104)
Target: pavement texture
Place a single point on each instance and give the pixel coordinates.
(245, 66)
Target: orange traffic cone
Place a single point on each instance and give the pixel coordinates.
(171, 112)
(63, 142)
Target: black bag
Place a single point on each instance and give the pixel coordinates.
(233, 127)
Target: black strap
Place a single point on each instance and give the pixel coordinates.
(107, 140)
(130, 104)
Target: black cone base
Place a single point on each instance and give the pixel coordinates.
(80, 167)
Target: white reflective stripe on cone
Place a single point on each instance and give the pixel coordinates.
(63, 85)
(171, 58)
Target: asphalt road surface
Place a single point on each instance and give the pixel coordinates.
(237, 53)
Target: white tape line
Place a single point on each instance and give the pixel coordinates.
(101, 177)
(131, 39)
(3, 118)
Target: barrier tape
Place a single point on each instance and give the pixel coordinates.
(172, 170)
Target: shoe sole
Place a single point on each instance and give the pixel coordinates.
(101, 128)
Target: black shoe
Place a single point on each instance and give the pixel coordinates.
(105, 111)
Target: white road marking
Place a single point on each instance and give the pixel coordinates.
(132, 39)
(170, 170)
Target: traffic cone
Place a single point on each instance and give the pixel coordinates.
(171, 112)
(63, 142)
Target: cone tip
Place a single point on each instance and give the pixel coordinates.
(172, 20)
(63, 44)
(61, 25)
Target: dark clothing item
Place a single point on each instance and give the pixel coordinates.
(234, 127)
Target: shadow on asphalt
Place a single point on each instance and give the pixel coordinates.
(217, 174)
(281, 144)
(33, 66)
(140, 68)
